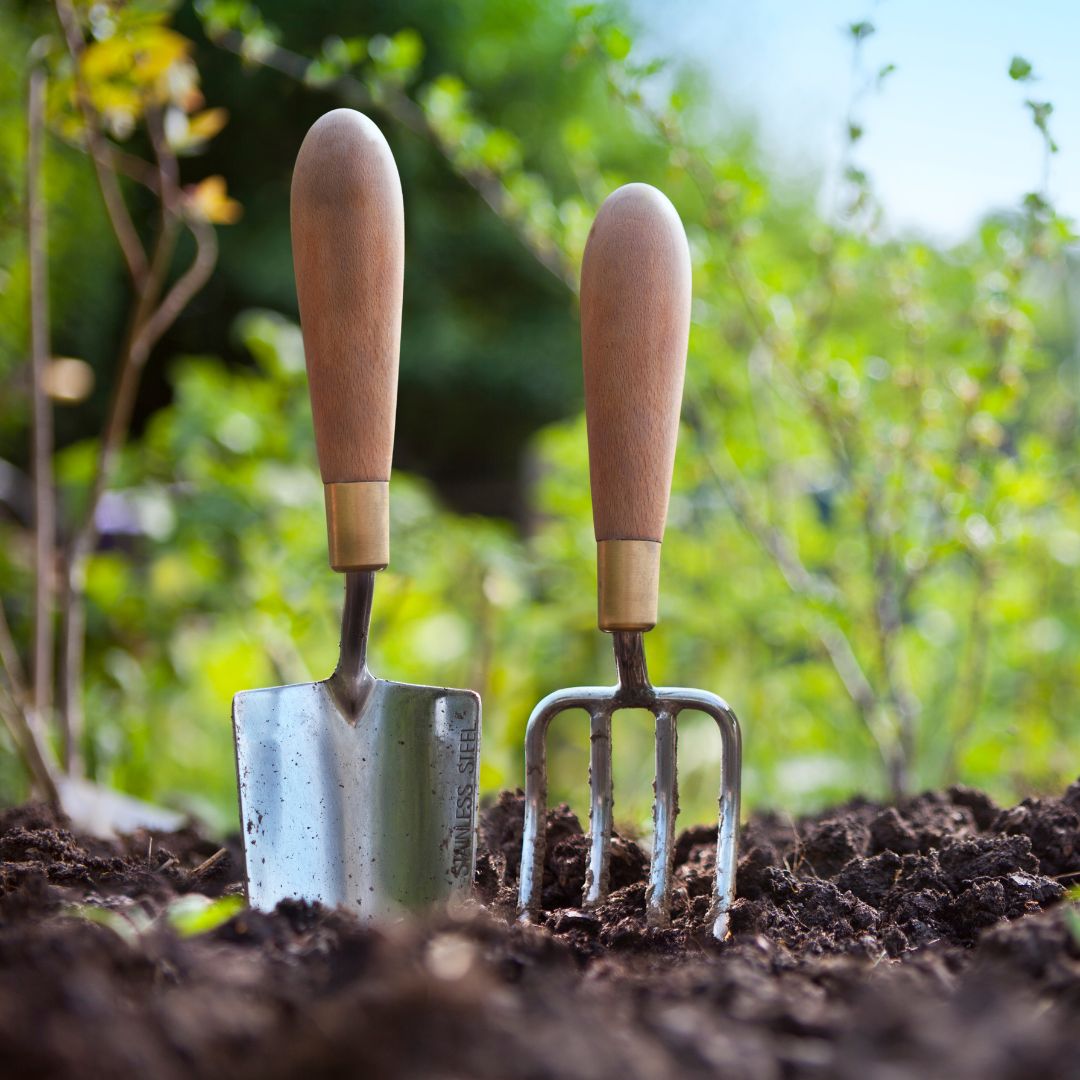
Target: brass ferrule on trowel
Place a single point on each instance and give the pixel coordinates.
(628, 584)
(358, 525)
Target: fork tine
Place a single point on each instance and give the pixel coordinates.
(600, 702)
(674, 700)
(533, 837)
(665, 810)
(727, 836)
(601, 801)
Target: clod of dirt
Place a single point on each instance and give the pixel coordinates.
(925, 939)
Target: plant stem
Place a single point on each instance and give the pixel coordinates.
(150, 320)
(151, 317)
(42, 422)
(19, 718)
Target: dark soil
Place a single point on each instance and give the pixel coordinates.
(931, 939)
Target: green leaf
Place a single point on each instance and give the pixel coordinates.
(196, 914)
(321, 72)
(616, 42)
(1035, 202)
(1041, 111)
(399, 55)
(860, 31)
(1072, 921)
(127, 924)
(344, 52)
(1020, 69)
(500, 150)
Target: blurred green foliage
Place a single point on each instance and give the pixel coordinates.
(875, 522)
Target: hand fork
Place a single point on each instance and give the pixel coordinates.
(635, 322)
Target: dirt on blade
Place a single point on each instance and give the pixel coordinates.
(930, 939)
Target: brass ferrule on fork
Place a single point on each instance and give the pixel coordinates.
(627, 584)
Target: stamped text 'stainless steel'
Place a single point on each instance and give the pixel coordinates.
(635, 324)
(355, 790)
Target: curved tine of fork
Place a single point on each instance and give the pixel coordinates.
(665, 811)
(727, 839)
(601, 801)
(533, 837)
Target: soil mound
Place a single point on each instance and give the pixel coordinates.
(934, 938)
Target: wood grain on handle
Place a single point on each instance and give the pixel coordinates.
(348, 239)
(635, 324)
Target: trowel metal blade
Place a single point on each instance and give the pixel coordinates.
(375, 813)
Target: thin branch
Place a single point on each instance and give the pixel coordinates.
(101, 152)
(84, 535)
(10, 662)
(150, 321)
(835, 642)
(129, 165)
(185, 288)
(42, 420)
(795, 573)
(969, 687)
(409, 115)
(19, 718)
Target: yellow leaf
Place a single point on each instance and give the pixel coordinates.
(156, 50)
(206, 124)
(146, 63)
(210, 200)
(107, 59)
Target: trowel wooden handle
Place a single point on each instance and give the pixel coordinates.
(635, 324)
(348, 237)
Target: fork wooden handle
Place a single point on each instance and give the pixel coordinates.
(348, 236)
(635, 326)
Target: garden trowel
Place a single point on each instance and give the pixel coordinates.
(355, 790)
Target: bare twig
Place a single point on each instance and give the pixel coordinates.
(151, 317)
(886, 618)
(101, 152)
(10, 663)
(968, 688)
(185, 288)
(208, 864)
(42, 426)
(148, 325)
(18, 717)
(129, 165)
(835, 642)
(794, 572)
(81, 542)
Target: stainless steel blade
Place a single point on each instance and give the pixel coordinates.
(358, 791)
